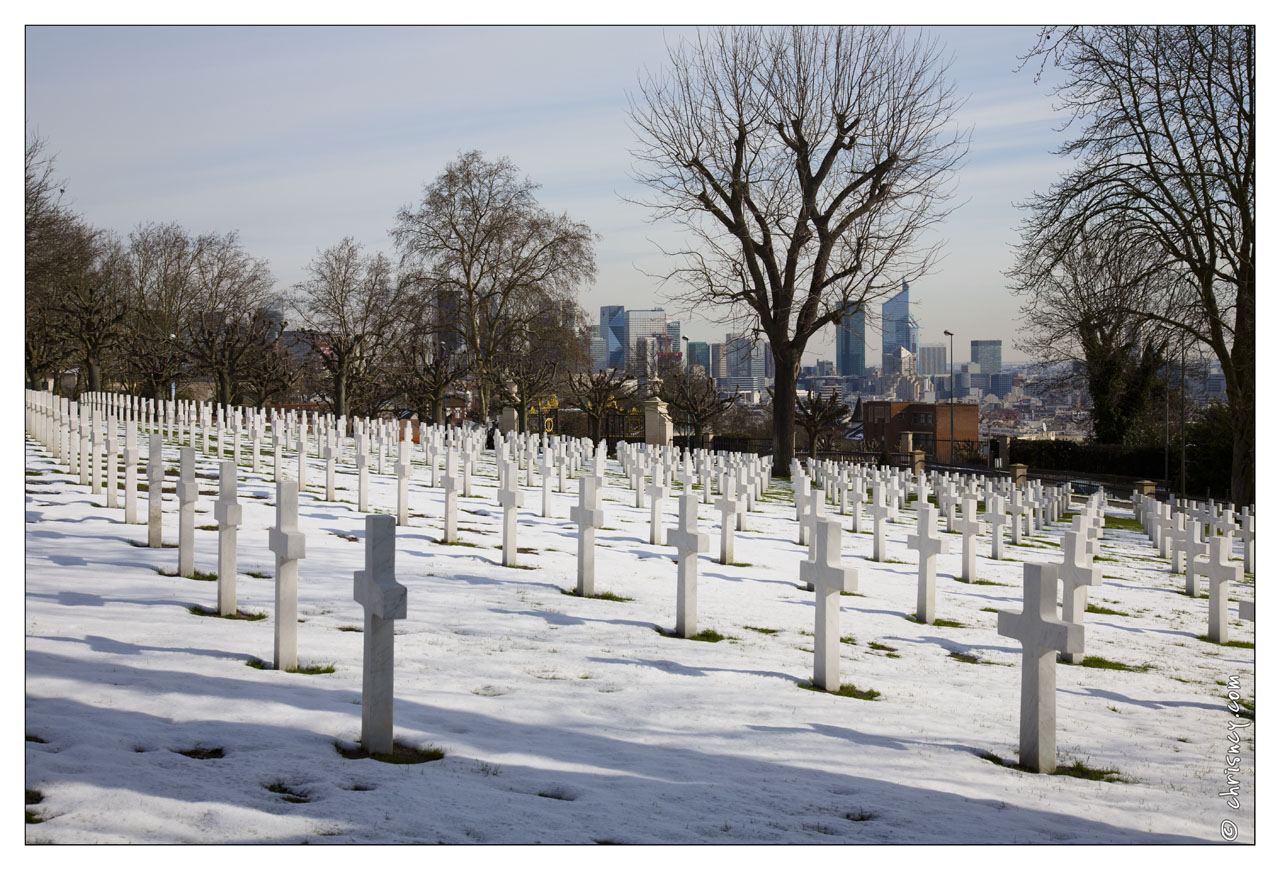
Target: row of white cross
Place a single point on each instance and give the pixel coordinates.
(1037, 627)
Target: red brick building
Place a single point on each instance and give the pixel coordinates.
(929, 425)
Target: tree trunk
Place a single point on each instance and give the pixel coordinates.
(787, 368)
(94, 372)
(339, 394)
(437, 411)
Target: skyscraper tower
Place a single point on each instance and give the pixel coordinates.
(900, 329)
(851, 342)
(987, 355)
(613, 333)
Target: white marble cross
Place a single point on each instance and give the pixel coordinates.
(969, 527)
(362, 473)
(928, 543)
(289, 545)
(545, 466)
(1220, 571)
(657, 492)
(1077, 573)
(131, 456)
(825, 575)
(330, 454)
(1193, 548)
(1020, 508)
(155, 490)
(511, 498)
(187, 493)
(1042, 635)
(588, 514)
(1246, 538)
(452, 483)
(880, 513)
(302, 458)
(689, 542)
(113, 462)
(384, 600)
(403, 470)
(729, 505)
(229, 514)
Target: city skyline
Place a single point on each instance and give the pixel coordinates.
(298, 136)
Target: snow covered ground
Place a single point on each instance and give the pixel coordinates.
(570, 720)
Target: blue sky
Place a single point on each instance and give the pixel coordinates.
(296, 137)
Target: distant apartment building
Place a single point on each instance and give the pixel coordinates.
(987, 355)
(700, 355)
(643, 324)
(851, 342)
(932, 360)
(929, 425)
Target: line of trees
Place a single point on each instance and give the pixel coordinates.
(1145, 249)
(481, 301)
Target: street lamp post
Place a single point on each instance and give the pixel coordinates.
(951, 433)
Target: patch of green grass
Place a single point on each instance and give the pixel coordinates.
(1104, 559)
(707, 635)
(34, 796)
(31, 738)
(849, 639)
(246, 615)
(897, 562)
(1113, 522)
(989, 610)
(350, 628)
(860, 815)
(940, 622)
(519, 549)
(1238, 644)
(876, 645)
(1081, 770)
(846, 690)
(258, 574)
(399, 754)
(602, 596)
(739, 564)
(986, 583)
(1109, 665)
(761, 630)
(212, 528)
(1105, 611)
(206, 576)
(293, 797)
(967, 658)
(34, 473)
(1077, 768)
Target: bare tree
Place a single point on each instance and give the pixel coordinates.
(160, 279)
(1078, 311)
(91, 306)
(427, 361)
(479, 232)
(53, 247)
(597, 394)
(1165, 159)
(693, 399)
(268, 370)
(350, 309)
(820, 416)
(232, 295)
(805, 163)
